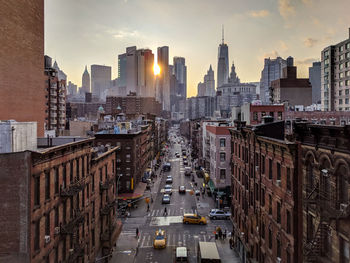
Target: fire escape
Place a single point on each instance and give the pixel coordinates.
(105, 212)
(71, 226)
(329, 210)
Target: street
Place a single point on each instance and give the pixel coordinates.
(177, 233)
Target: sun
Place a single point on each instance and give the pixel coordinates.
(156, 69)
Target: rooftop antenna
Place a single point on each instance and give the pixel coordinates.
(222, 34)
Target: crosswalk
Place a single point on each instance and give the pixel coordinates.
(173, 239)
(171, 211)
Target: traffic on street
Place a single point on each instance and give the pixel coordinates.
(175, 216)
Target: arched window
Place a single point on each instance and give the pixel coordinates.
(342, 185)
(309, 177)
(325, 180)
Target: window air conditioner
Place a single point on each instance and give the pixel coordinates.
(57, 230)
(47, 239)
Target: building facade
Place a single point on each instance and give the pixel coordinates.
(22, 82)
(315, 80)
(335, 76)
(60, 208)
(85, 82)
(55, 98)
(163, 81)
(325, 156)
(180, 72)
(100, 80)
(265, 189)
(272, 71)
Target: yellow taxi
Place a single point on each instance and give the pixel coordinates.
(194, 219)
(159, 239)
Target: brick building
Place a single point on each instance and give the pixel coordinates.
(320, 117)
(83, 109)
(22, 93)
(58, 204)
(134, 158)
(133, 104)
(325, 155)
(265, 188)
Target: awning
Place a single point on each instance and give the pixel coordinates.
(138, 192)
(211, 185)
(221, 193)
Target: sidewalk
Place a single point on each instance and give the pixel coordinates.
(125, 250)
(227, 255)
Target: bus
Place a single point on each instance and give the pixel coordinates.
(208, 253)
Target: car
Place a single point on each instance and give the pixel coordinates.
(168, 189)
(194, 219)
(159, 240)
(169, 176)
(182, 189)
(181, 254)
(197, 192)
(166, 199)
(185, 162)
(169, 181)
(219, 214)
(188, 171)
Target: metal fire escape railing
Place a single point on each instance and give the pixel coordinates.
(105, 185)
(72, 189)
(328, 212)
(105, 210)
(70, 227)
(77, 251)
(107, 234)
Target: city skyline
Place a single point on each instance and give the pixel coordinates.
(103, 30)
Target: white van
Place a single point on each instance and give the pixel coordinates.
(181, 254)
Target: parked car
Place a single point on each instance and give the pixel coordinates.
(197, 192)
(166, 199)
(219, 214)
(194, 219)
(182, 189)
(159, 240)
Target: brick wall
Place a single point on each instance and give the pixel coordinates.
(22, 92)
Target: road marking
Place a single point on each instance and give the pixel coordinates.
(184, 240)
(143, 241)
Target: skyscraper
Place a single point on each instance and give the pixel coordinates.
(22, 86)
(315, 80)
(163, 80)
(85, 82)
(100, 80)
(180, 72)
(135, 72)
(272, 71)
(223, 63)
(209, 82)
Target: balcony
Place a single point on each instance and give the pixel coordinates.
(105, 185)
(72, 189)
(107, 208)
(76, 252)
(70, 227)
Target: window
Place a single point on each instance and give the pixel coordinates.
(262, 197)
(340, 92)
(56, 181)
(278, 172)
(270, 238)
(278, 248)
(340, 101)
(344, 251)
(270, 204)
(289, 180)
(347, 83)
(37, 190)
(255, 116)
(37, 235)
(346, 101)
(288, 222)
(47, 224)
(279, 212)
(347, 73)
(279, 115)
(270, 169)
(47, 185)
(93, 237)
(222, 174)
(106, 171)
(341, 75)
(262, 164)
(222, 157)
(263, 230)
(93, 183)
(64, 175)
(222, 142)
(93, 210)
(310, 227)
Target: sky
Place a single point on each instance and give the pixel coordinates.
(86, 32)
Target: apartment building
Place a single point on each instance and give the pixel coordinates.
(58, 204)
(265, 189)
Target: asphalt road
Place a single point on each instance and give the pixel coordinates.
(178, 234)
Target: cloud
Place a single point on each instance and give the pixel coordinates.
(310, 42)
(259, 13)
(126, 34)
(283, 46)
(285, 8)
(306, 61)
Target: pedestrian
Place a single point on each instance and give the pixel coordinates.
(225, 234)
(231, 243)
(216, 235)
(137, 232)
(151, 199)
(220, 233)
(165, 212)
(147, 207)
